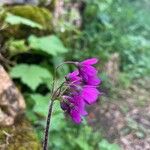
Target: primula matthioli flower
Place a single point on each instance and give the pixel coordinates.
(89, 94)
(83, 90)
(73, 77)
(74, 106)
(88, 72)
(79, 89)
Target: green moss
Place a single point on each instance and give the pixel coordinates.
(22, 137)
(34, 13)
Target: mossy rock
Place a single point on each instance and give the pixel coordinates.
(19, 137)
(37, 14)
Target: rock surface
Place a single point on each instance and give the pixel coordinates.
(12, 104)
(16, 133)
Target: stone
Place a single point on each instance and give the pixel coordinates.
(12, 104)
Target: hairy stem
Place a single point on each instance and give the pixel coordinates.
(66, 62)
(54, 95)
(48, 120)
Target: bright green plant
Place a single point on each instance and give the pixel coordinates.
(15, 20)
(51, 45)
(31, 75)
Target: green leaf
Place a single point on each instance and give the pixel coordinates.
(31, 75)
(41, 104)
(49, 44)
(16, 46)
(32, 117)
(15, 20)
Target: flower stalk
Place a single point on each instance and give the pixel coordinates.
(54, 95)
(48, 120)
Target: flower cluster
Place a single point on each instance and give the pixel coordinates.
(83, 84)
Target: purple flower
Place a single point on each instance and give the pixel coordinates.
(83, 84)
(73, 77)
(89, 94)
(93, 80)
(75, 107)
(88, 72)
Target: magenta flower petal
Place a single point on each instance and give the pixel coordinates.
(75, 116)
(75, 107)
(89, 70)
(89, 94)
(86, 72)
(74, 78)
(93, 81)
(91, 61)
(78, 100)
(73, 74)
(83, 112)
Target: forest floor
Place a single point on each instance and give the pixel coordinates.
(125, 118)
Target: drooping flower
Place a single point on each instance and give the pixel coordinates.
(73, 77)
(93, 80)
(90, 61)
(88, 72)
(75, 107)
(89, 94)
(83, 89)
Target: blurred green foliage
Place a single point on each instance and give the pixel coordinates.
(30, 39)
(31, 75)
(51, 45)
(39, 15)
(116, 26)
(15, 20)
